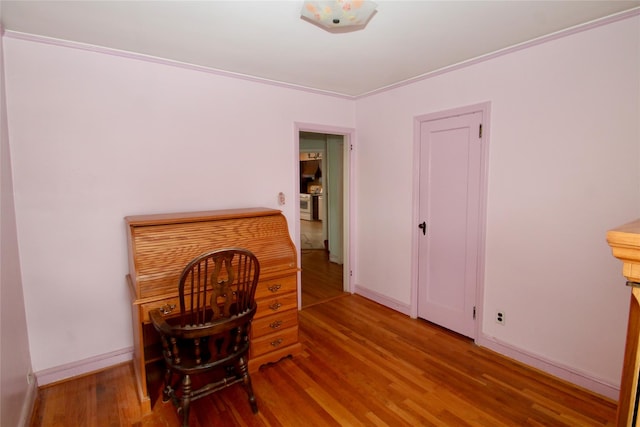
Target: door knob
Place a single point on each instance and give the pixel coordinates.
(423, 226)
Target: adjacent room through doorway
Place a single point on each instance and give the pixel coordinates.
(321, 217)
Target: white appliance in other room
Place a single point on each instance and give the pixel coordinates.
(306, 207)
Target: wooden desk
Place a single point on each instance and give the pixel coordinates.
(161, 245)
(625, 245)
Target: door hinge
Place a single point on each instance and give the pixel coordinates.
(350, 273)
(480, 131)
(474, 312)
(351, 147)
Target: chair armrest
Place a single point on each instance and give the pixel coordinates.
(159, 322)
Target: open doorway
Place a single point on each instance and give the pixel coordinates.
(322, 213)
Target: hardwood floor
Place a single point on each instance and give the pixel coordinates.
(321, 279)
(105, 398)
(362, 365)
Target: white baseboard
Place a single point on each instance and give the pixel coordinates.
(85, 366)
(28, 405)
(383, 299)
(571, 375)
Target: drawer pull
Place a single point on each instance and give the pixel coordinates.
(276, 342)
(276, 305)
(275, 288)
(276, 324)
(167, 308)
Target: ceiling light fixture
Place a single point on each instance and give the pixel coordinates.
(342, 15)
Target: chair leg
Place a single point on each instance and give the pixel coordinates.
(166, 392)
(185, 401)
(252, 398)
(243, 371)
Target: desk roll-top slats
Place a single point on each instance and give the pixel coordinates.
(162, 251)
(161, 245)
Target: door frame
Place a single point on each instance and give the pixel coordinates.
(347, 249)
(485, 109)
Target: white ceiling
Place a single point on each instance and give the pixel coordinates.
(268, 39)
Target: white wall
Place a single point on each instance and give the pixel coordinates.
(563, 169)
(17, 395)
(96, 137)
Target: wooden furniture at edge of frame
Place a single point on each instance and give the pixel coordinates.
(625, 245)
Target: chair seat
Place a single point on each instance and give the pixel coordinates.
(189, 366)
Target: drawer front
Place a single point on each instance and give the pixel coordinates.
(277, 304)
(272, 342)
(274, 323)
(274, 287)
(170, 305)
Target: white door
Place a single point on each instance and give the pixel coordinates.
(449, 209)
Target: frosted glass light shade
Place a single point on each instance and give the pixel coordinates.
(338, 13)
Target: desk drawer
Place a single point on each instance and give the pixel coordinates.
(171, 305)
(274, 323)
(277, 304)
(272, 342)
(274, 287)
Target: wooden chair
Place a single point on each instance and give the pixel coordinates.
(206, 347)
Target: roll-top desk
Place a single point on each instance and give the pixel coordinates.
(161, 245)
(625, 245)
